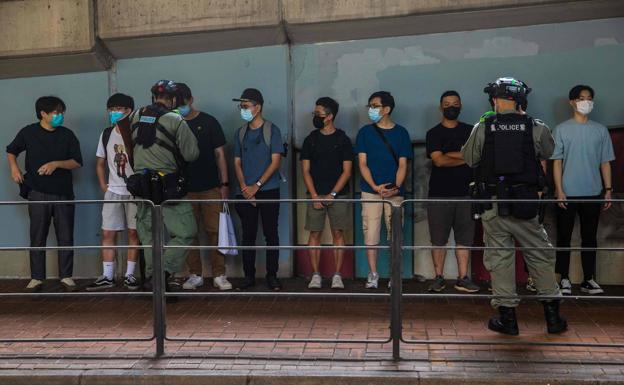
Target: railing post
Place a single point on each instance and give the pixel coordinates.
(396, 257)
(158, 277)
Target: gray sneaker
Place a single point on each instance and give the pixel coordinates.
(337, 282)
(372, 281)
(315, 282)
(438, 284)
(466, 284)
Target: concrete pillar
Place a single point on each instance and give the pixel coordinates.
(45, 37)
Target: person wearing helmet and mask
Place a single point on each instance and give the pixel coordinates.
(506, 150)
(162, 145)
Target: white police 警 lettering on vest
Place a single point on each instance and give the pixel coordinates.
(508, 127)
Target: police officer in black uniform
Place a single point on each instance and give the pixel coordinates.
(506, 149)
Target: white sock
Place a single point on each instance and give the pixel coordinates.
(108, 269)
(130, 268)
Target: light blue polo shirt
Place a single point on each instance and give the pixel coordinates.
(582, 147)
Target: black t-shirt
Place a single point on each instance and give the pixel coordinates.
(43, 146)
(326, 154)
(203, 173)
(448, 181)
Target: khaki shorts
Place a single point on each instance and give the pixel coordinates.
(338, 213)
(371, 216)
(118, 216)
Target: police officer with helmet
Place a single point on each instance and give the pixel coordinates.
(162, 144)
(506, 149)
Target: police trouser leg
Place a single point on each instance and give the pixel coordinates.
(144, 230)
(501, 263)
(540, 262)
(181, 226)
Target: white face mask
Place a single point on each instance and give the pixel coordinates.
(584, 106)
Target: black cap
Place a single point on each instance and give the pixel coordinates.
(251, 94)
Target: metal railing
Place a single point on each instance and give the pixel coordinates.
(395, 296)
(75, 294)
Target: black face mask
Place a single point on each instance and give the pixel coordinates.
(451, 113)
(318, 122)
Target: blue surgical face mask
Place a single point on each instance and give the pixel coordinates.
(246, 114)
(115, 116)
(57, 120)
(373, 114)
(184, 110)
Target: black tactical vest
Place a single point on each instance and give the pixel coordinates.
(148, 124)
(508, 152)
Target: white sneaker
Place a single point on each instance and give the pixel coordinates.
(372, 282)
(591, 287)
(315, 282)
(337, 282)
(221, 282)
(68, 284)
(566, 286)
(193, 282)
(34, 285)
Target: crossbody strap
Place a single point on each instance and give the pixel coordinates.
(383, 138)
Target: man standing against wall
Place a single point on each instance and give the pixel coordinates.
(383, 149)
(258, 151)
(52, 151)
(112, 154)
(327, 160)
(207, 179)
(450, 177)
(581, 170)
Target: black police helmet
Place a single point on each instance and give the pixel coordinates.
(508, 88)
(166, 87)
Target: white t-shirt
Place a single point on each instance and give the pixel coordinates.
(118, 164)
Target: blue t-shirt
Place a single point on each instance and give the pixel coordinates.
(379, 160)
(582, 147)
(256, 156)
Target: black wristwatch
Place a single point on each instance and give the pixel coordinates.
(225, 184)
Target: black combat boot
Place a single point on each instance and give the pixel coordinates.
(506, 322)
(554, 322)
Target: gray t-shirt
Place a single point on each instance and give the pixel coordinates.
(582, 147)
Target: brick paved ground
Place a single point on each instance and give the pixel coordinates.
(291, 317)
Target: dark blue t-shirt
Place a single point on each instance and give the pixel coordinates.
(256, 155)
(379, 160)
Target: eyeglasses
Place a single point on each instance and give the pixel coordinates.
(374, 106)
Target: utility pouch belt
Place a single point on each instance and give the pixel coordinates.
(157, 187)
(478, 190)
(521, 209)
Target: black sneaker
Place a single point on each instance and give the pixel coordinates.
(131, 283)
(102, 283)
(438, 284)
(248, 283)
(273, 283)
(172, 283)
(466, 284)
(591, 287)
